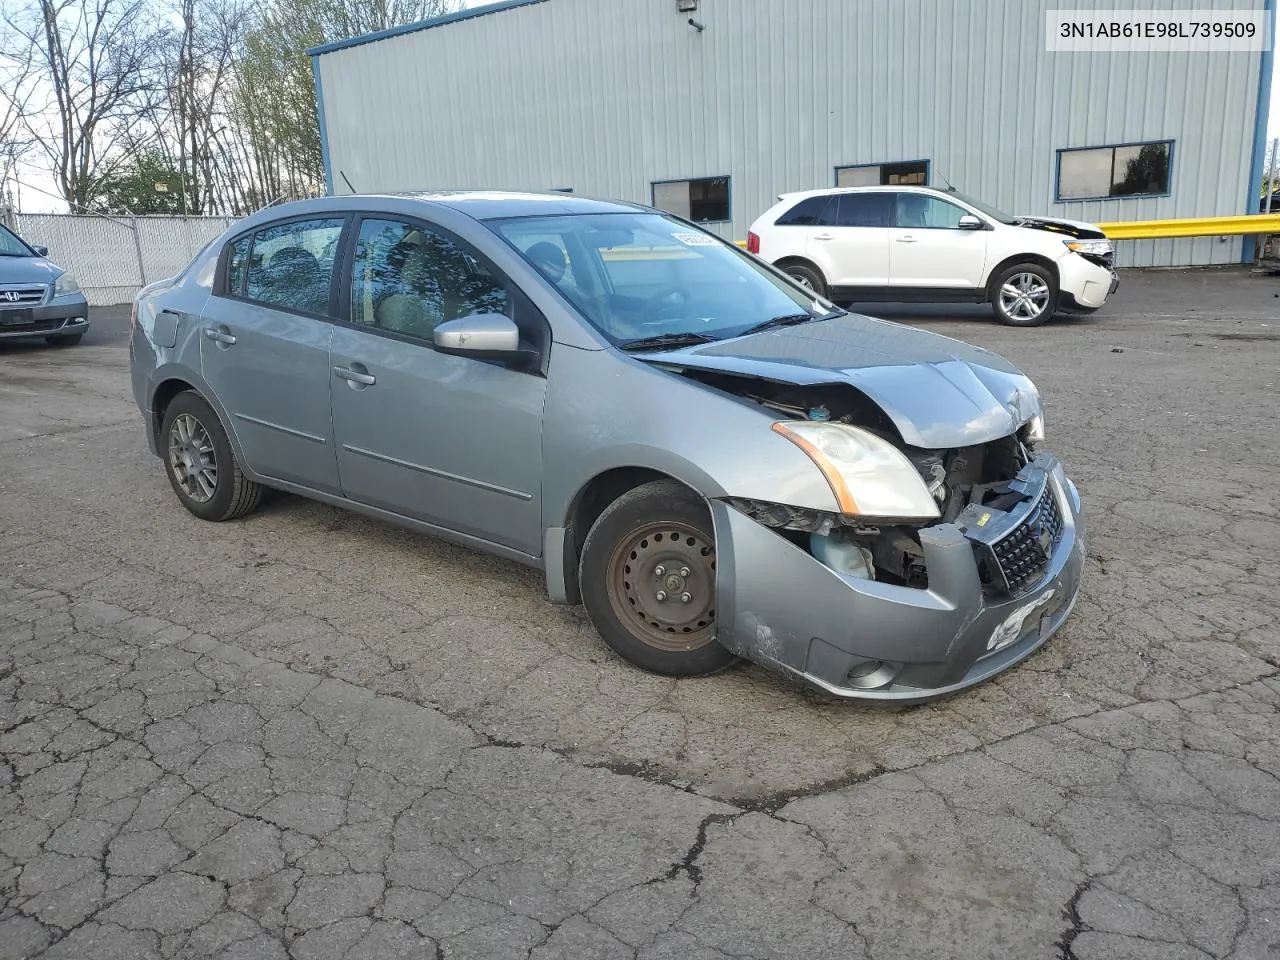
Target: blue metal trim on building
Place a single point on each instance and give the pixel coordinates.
(324, 132)
(420, 25)
(1256, 171)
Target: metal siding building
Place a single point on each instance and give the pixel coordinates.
(609, 97)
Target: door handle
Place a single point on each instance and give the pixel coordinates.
(906, 239)
(823, 236)
(355, 376)
(219, 336)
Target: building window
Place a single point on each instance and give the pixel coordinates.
(913, 173)
(1124, 170)
(702, 201)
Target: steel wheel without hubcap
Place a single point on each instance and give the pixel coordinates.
(192, 458)
(662, 583)
(1024, 297)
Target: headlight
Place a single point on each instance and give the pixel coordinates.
(1099, 248)
(868, 475)
(66, 283)
(1035, 429)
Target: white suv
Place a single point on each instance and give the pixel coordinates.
(898, 244)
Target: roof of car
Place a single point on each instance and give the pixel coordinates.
(892, 188)
(477, 204)
(493, 204)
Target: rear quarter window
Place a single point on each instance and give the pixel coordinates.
(810, 212)
(237, 264)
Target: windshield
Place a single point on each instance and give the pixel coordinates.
(988, 209)
(640, 276)
(11, 246)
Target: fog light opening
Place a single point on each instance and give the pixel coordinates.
(872, 674)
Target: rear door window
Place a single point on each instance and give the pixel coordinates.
(290, 265)
(864, 210)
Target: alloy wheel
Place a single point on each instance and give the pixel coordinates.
(1024, 296)
(192, 459)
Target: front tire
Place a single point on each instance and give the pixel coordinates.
(201, 466)
(648, 578)
(1024, 295)
(808, 277)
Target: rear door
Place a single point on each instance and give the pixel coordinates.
(851, 244)
(264, 347)
(449, 440)
(928, 248)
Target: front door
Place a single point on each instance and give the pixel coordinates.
(264, 349)
(852, 244)
(927, 247)
(449, 440)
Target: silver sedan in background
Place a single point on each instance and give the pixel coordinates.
(715, 462)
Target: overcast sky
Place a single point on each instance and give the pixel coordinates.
(38, 194)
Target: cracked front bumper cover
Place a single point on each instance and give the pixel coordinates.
(780, 607)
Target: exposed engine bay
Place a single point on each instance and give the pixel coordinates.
(957, 478)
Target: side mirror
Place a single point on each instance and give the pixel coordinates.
(970, 222)
(41, 251)
(483, 336)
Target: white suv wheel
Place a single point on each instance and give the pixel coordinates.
(1024, 296)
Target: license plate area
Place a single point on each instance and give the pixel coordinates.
(19, 317)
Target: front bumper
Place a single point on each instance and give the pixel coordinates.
(63, 316)
(780, 607)
(1084, 284)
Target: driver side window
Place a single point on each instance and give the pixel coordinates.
(408, 279)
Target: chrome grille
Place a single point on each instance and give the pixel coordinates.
(25, 296)
(1024, 554)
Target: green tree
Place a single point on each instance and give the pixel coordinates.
(147, 183)
(274, 88)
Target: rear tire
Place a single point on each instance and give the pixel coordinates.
(1024, 295)
(648, 581)
(65, 341)
(808, 277)
(200, 464)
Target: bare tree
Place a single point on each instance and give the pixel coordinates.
(18, 101)
(274, 95)
(96, 59)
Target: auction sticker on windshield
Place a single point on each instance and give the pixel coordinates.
(695, 239)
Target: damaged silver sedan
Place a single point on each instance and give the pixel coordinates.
(715, 462)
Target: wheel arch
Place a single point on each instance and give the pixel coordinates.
(798, 261)
(1039, 259)
(173, 380)
(584, 508)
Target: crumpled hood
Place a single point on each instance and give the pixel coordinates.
(1072, 228)
(939, 392)
(27, 270)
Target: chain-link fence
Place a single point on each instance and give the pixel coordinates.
(112, 257)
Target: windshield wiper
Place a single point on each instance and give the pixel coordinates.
(683, 339)
(789, 320)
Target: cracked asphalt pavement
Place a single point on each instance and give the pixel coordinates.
(307, 735)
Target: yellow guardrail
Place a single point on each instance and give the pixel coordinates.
(1193, 227)
(1255, 223)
